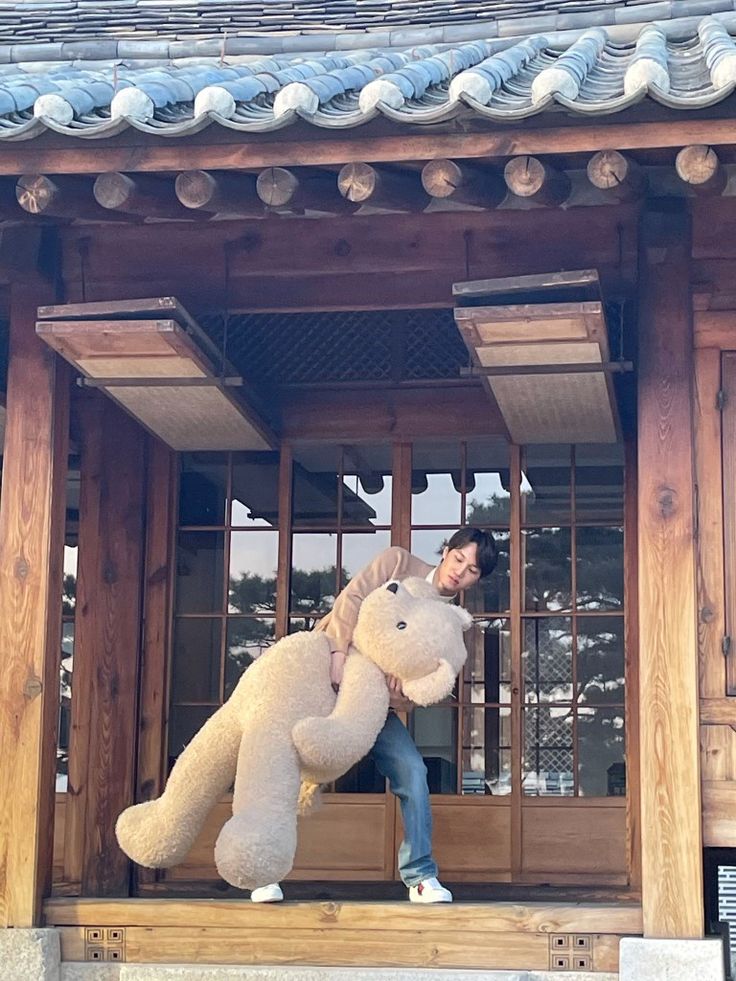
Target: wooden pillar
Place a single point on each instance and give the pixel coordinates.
(106, 646)
(672, 888)
(32, 511)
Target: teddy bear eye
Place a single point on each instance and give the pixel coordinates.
(401, 625)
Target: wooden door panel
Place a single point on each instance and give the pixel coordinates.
(574, 838)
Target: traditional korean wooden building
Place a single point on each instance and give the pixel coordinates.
(283, 284)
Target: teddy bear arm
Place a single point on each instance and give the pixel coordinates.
(330, 745)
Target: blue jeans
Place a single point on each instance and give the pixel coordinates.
(399, 760)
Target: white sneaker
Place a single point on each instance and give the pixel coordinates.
(267, 894)
(430, 891)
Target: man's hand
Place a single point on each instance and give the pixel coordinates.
(337, 666)
(397, 700)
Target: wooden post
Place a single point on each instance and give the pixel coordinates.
(223, 193)
(143, 195)
(699, 167)
(32, 511)
(61, 197)
(381, 187)
(463, 183)
(304, 190)
(617, 175)
(672, 880)
(106, 646)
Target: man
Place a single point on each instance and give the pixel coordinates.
(469, 555)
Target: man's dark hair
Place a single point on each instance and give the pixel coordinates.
(487, 554)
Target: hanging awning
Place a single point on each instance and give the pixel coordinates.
(153, 359)
(546, 362)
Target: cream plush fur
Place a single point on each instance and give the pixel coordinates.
(283, 724)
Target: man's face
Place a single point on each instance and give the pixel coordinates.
(458, 569)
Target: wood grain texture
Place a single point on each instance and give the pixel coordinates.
(708, 476)
(32, 511)
(719, 813)
(671, 826)
(106, 655)
(631, 668)
(728, 438)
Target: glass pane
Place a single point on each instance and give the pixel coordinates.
(486, 736)
(363, 778)
(547, 659)
(546, 486)
(601, 746)
(547, 764)
(367, 484)
(69, 583)
(200, 557)
(196, 661)
(254, 557)
(314, 573)
(359, 550)
(65, 705)
(203, 489)
(600, 568)
(487, 500)
(487, 671)
(546, 567)
(436, 484)
(185, 721)
(247, 639)
(600, 667)
(316, 470)
(255, 490)
(493, 594)
(435, 733)
(599, 483)
(428, 545)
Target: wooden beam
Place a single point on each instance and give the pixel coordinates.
(146, 196)
(536, 180)
(106, 645)
(616, 174)
(462, 183)
(380, 187)
(59, 197)
(699, 167)
(307, 190)
(140, 153)
(670, 777)
(219, 193)
(32, 510)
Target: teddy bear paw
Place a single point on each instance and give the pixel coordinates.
(146, 836)
(321, 745)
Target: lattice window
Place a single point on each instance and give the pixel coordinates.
(357, 345)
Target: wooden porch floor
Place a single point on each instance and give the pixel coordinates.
(493, 934)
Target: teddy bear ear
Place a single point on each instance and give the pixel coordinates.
(465, 618)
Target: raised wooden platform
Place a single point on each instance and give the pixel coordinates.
(502, 935)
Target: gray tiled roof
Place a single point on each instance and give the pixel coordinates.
(501, 81)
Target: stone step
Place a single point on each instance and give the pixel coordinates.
(213, 972)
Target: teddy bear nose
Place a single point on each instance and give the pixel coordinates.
(392, 587)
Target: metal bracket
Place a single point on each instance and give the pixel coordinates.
(575, 368)
(228, 382)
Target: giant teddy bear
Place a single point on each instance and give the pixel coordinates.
(284, 726)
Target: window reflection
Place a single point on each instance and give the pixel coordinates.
(247, 639)
(437, 483)
(487, 671)
(599, 484)
(367, 482)
(313, 573)
(493, 594)
(255, 490)
(601, 746)
(315, 485)
(253, 562)
(599, 558)
(546, 493)
(546, 569)
(547, 659)
(488, 494)
(600, 659)
(202, 488)
(435, 733)
(185, 721)
(486, 742)
(428, 545)
(199, 572)
(547, 764)
(359, 550)
(196, 661)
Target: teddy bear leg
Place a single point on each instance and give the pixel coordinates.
(159, 833)
(257, 845)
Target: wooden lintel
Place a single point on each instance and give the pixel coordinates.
(144, 155)
(32, 509)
